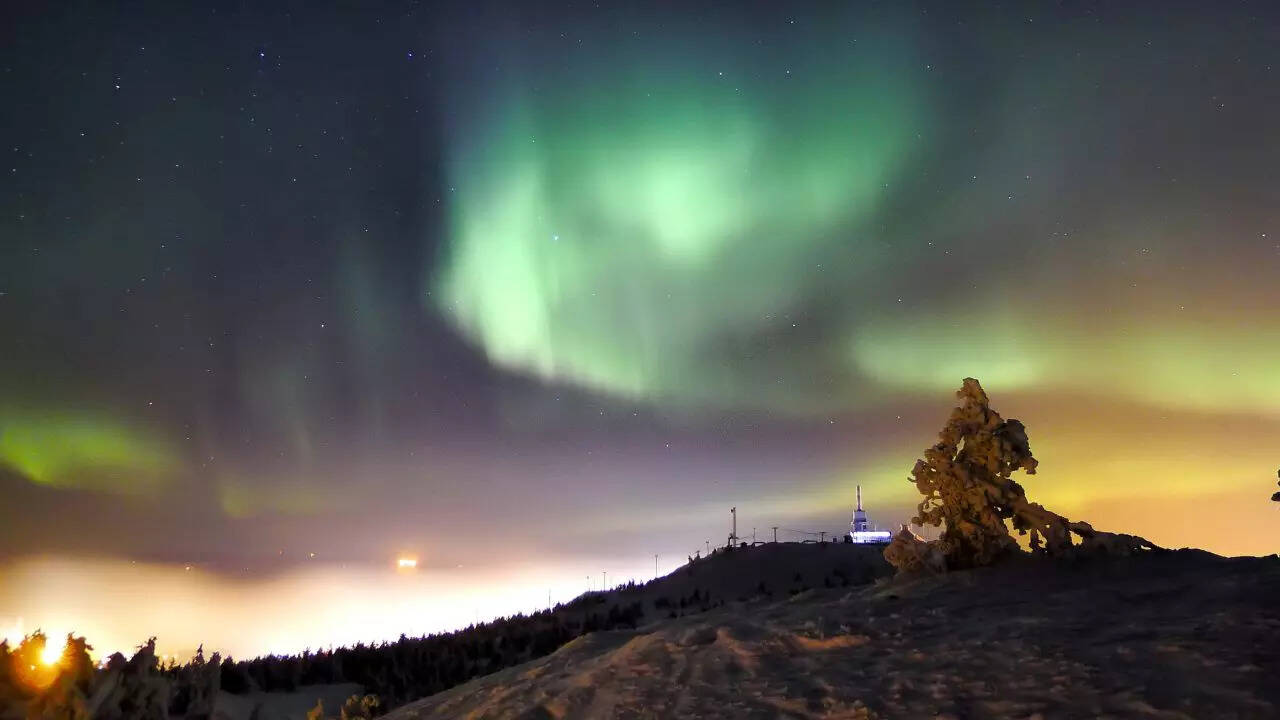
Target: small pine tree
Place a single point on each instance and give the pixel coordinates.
(360, 707)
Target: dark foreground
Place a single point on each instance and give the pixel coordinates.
(1177, 635)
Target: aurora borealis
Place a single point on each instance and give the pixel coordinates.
(512, 285)
(602, 231)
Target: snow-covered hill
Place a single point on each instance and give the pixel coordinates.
(1173, 635)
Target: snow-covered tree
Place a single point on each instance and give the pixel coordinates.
(967, 482)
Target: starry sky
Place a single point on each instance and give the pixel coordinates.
(528, 285)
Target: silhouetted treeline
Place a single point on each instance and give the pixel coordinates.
(396, 672)
(411, 668)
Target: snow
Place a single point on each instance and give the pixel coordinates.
(1162, 635)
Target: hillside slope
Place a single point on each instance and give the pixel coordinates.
(1177, 635)
(772, 569)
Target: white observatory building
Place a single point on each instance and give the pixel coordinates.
(861, 531)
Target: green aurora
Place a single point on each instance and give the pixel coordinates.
(738, 239)
(1162, 362)
(85, 451)
(640, 238)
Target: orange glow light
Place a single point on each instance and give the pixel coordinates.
(51, 654)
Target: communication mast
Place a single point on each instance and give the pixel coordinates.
(860, 529)
(859, 515)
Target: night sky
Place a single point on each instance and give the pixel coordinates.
(523, 285)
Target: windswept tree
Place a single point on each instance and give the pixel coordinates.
(967, 482)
